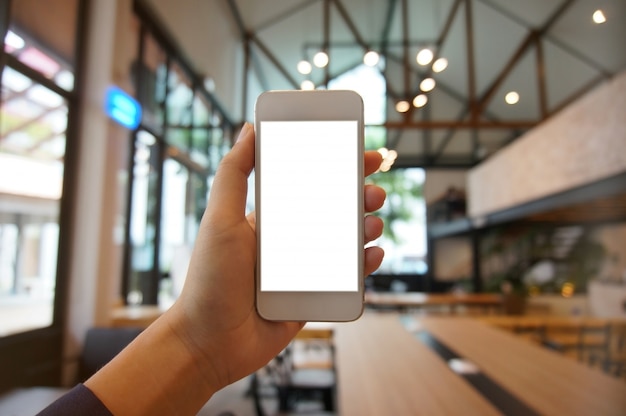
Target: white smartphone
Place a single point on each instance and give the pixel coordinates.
(309, 205)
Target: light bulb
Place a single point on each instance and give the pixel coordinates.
(371, 58)
(307, 85)
(440, 64)
(402, 106)
(599, 17)
(420, 100)
(304, 67)
(427, 84)
(424, 57)
(320, 59)
(511, 97)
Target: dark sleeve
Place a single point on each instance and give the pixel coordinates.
(78, 401)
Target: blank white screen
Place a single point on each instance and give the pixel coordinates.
(309, 206)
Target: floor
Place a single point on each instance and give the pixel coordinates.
(233, 400)
(28, 401)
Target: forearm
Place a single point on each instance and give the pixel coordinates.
(156, 374)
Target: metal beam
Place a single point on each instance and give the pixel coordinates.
(456, 124)
(266, 51)
(541, 78)
(405, 56)
(285, 15)
(326, 39)
(519, 53)
(471, 73)
(353, 29)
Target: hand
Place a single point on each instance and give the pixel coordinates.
(220, 319)
(213, 333)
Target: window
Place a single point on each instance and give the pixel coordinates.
(39, 67)
(404, 212)
(33, 123)
(183, 136)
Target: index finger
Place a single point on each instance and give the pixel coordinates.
(372, 161)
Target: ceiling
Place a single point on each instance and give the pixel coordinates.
(549, 51)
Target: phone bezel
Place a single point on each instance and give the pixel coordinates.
(319, 105)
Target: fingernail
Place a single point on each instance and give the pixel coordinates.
(244, 130)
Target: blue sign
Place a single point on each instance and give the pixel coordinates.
(122, 108)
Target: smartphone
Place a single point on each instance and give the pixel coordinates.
(309, 205)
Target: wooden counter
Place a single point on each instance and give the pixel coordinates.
(408, 300)
(383, 370)
(544, 379)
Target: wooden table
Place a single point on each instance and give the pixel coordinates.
(564, 333)
(384, 369)
(317, 330)
(140, 316)
(408, 300)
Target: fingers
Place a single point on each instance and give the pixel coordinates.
(373, 259)
(374, 197)
(372, 160)
(229, 190)
(372, 228)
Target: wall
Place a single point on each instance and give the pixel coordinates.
(557, 305)
(612, 238)
(583, 143)
(439, 180)
(95, 267)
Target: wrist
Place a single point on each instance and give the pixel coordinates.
(156, 374)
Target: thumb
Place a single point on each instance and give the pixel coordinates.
(230, 187)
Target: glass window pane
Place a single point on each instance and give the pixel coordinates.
(143, 221)
(184, 200)
(202, 120)
(153, 79)
(179, 99)
(33, 122)
(404, 215)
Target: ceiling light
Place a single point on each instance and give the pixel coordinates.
(402, 106)
(420, 100)
(320, 59)
(427, 84)
(304, 67)
(440, 64)
(389, 157)
(511, 97)
(307, 85)
(424, 57)
(371, 58)
(599, 17)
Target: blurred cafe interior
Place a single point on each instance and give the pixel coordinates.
(502, 127)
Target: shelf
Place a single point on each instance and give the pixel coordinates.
(600, 201)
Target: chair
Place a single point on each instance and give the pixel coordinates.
(578, 338)
(612, 359)
(300, 379)
(101, 346)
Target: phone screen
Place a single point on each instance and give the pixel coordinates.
(309, 206)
